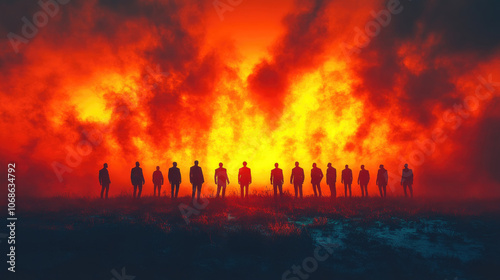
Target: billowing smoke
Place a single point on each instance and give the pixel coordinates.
(359, 82)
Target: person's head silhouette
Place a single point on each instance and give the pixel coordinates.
(346, 166)
(406, 165)
(220, 164)
(329, 164)
(381, 166)
(363, 167)
(157, 168)
(245, 163)
(297, 163)
(137, 163)
(196, 162)
(105, 165)
(314, 165)
(276, 165)
(175, 164)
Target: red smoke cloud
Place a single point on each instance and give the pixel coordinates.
(360, 82)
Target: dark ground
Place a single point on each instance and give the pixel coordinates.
(396, 238)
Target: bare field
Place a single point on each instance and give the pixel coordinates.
(357, 238)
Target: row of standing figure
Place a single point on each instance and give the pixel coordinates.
(297, 179)
(245, 179)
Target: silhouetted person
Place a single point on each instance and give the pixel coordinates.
(382, 179)
(174, 177)
(407, 180)
(157, 181)
(244, 179)
(346, 179)
(104, 180)
(316, 177)
(277, 180)
(297, 179)
(331, 179)
(363, 179)
(221, 179)
(137, 178)
(196, 179)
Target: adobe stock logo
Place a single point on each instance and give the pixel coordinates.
(225, 6)
(310, 264)
(122, 276)
(381, 19)
(49, 8)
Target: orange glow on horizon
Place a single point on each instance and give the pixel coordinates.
(270, 82)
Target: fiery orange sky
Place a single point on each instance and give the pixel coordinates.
(346, 82)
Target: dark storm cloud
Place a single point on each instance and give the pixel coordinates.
(473, 168)
(465, 25)
(380, 78)
(128, 8)
(469, 28)
(462, 25)
(452, 39)
(486, 149)
(432, 85)
(298, 50)
(174, 66)
(166, 109)
(11, 21)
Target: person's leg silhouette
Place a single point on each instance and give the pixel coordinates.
(140, 191)
(198, 189)
(405, 185)
(333, 191)
(218, 191)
